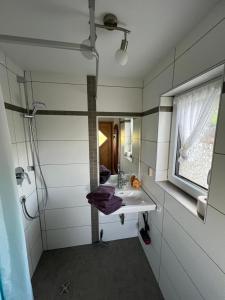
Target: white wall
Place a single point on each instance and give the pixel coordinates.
(13, 93)
(64, 154)
(186, 255)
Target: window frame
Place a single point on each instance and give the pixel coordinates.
(186, 185)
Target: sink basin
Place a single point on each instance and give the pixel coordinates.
(133, 200)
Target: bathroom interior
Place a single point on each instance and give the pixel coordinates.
(112, 150)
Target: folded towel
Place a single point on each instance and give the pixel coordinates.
(105, 204)
(114, 204)
(102, 193)
(104, 174)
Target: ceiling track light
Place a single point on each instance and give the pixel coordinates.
(110, 23)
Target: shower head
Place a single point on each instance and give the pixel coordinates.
(37, 105)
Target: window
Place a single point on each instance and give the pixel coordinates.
(128, 133)
(192, 138)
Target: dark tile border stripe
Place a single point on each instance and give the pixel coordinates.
(12, 107)
(50, 112)
(62, 112)
(92, 129)
(223, 89)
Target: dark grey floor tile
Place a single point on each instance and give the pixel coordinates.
(117, 272)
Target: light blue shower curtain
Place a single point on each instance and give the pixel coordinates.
(14, 272)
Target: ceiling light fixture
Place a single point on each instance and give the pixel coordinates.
(110, 23)
(121, 55)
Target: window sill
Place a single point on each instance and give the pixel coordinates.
(183, 198)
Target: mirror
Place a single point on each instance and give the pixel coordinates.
(119, 146)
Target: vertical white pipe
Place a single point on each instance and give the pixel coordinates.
(14, 271)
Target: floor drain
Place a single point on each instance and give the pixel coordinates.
(64, 288)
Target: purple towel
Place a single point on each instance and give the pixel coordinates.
(104, 174)
(103, 203)
(113, 204)
(102, 193)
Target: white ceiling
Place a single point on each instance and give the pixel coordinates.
(156, 25)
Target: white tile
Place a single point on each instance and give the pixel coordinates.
(32, 208)
(220, 141)
(16, 90)
(154, 234)
(192, 62)
(61, 96)
(15, 155)
(9, 115)
(203, 233)
(116, 218)
(136, 148)
(66, 175)
(68, 237)
(164, 126)
(153, 91)
(36, 253)
(19, 127)
(180, 280)
(119, 99)
(152, 256)
(62, 127)
(2, 58)
(4, 84)
(67, 196)
(208, 278)
(136, 128)
(162, 156)
(166, 287)
(68, 217)
(13, 67)
(117, 231)
(150, 127)
(149, 185)
(33, 232)
(63, 152)
(148, 153)
(57, 77)
(217, 186)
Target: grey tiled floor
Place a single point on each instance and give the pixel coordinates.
(117, 272)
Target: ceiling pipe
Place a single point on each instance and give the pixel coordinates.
(43, 43)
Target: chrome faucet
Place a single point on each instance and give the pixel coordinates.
(121, 181)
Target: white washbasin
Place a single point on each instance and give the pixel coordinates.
(133, 200)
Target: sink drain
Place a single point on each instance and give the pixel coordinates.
(65, 288)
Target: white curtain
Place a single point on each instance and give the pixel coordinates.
(15, 281)
(194, 109)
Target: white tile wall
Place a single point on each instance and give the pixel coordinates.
(166, 287)
(220, 141)
(202, 233)
(63, 152)
(66, 175)
(4, 84)
(119, 99)
(71, 236)
(217, 186)
(150, 127)
(152, 256)
(59, 96)
(192, 62)
(62, 197)
(68, 217)
(116, 231)
(185, 288)
(152, 91)
(207, 277)
(62, 127)
(148, 153)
